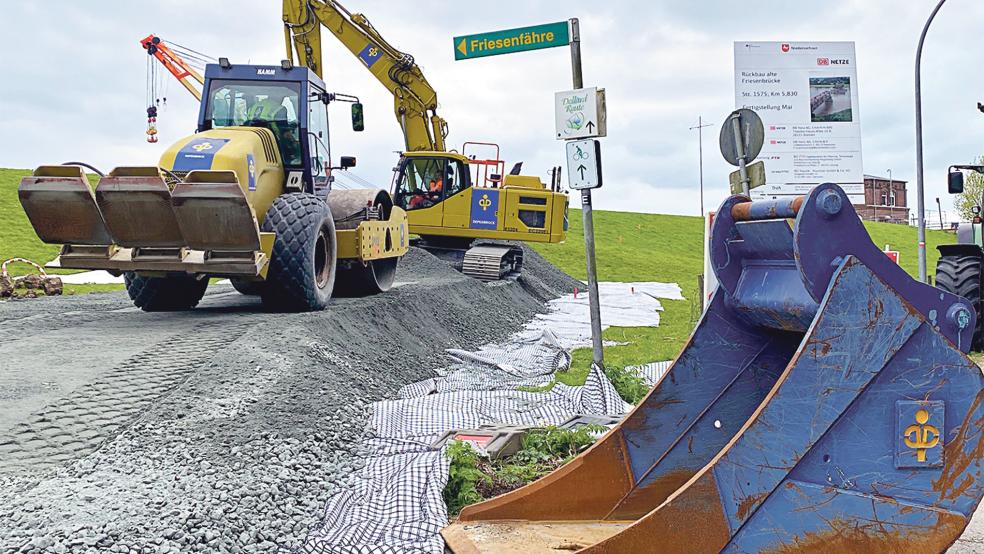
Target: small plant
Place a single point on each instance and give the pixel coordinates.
(629, 384)
(473, 478)
(463, 476)
(552, 443)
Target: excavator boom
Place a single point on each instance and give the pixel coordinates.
(452, 199)
(415, 100)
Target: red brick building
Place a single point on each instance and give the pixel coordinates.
(884, 200)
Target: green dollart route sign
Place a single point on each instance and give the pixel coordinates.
(494, 43)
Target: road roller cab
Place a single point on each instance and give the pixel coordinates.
(247, 197)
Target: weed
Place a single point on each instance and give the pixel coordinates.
(473, 478)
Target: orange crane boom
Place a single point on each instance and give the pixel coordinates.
(173, 63)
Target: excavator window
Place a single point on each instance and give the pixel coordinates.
(457, 178)
(422, 183)
(272, 105)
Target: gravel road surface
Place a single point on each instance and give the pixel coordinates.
(223, 429)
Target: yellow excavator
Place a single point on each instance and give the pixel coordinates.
(455, 201)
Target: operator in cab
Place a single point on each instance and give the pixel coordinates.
(272, 110)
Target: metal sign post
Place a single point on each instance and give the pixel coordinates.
(580, 114)
(589, 240)
(740, 150)
(741, 140)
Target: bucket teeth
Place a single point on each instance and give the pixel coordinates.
(59, 203)
(136, 206)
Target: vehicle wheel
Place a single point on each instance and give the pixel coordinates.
(165, 294)
(961, 275)
(248, 288)
(302, 267)
(364, 280)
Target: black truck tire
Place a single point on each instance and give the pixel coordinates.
(164, 294)
(304, 260)
(961, 275)
(248, 288)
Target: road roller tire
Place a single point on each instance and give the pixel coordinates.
(364, 280)
(248, 288)
(164, 294)
(961, 275)
(303, 264)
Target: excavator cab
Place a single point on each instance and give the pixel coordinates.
(424, 182)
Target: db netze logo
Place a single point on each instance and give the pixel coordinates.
(823, 61)
(785, 47)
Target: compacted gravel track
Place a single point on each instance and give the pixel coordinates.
(223, 429)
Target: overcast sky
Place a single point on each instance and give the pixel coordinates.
(73, 84)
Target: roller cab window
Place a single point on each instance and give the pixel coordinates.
(272, 105)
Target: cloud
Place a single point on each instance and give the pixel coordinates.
(74, 82)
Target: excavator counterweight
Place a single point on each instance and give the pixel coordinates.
(823, 403)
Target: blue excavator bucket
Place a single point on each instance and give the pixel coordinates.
(824, 402)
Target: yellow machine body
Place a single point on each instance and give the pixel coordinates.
(249, 152)
(198, 213)
(520, 208)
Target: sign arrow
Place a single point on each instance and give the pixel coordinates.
(462, 48)
(590, 126)
(581, 169)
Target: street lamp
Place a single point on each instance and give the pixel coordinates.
(920, 201)
(700, 153)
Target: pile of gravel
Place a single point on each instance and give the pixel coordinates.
(243, 454)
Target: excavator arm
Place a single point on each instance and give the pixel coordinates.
(415, 100)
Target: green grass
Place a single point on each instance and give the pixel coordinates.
(17, 238)
(669, 249)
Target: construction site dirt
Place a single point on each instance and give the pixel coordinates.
(225, 428)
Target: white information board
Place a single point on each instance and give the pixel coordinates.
(807, 96)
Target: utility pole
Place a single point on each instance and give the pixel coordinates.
(700, 156)
(920, 192)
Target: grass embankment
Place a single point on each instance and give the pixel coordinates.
(17, 238)
(669, 249)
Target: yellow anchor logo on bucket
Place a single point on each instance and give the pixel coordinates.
(921, 436)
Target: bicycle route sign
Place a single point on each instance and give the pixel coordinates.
(584, 164)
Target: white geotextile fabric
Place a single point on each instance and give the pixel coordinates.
(622, 305)
(394, 503)
(91, 278)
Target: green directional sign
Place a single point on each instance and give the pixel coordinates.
(494, 43)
